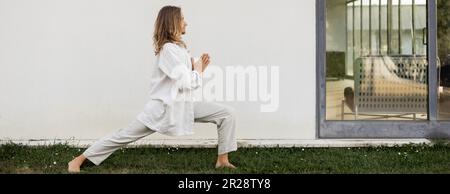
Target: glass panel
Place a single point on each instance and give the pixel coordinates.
(395, 10)
(406, 26)
(443, 42)
(365, 26)
(349, 58)
(383, 15)
(375, 25)
(420, 26)
(376, 60)
(357, 29)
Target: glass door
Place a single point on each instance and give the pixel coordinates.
(443, 43)
(376, 55)
(383, 68)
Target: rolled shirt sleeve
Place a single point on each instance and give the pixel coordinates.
(172, 64)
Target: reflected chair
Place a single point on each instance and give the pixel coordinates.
(388, 86)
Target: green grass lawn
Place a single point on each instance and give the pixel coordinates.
(404, 159)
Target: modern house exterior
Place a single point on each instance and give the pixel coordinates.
(293, 70)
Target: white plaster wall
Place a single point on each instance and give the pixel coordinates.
(81, 68)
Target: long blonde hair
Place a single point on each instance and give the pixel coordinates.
(168, 28)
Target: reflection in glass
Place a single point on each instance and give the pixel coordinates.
(443, 42)
(376, 60)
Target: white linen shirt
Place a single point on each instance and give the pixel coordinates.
(170, 109)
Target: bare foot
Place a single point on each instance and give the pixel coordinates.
(75, 164)
(73, 167)
(225, 165)
(223, 162)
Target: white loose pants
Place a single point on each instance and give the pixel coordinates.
(204, 112)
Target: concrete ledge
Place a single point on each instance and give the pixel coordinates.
(242, 143)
